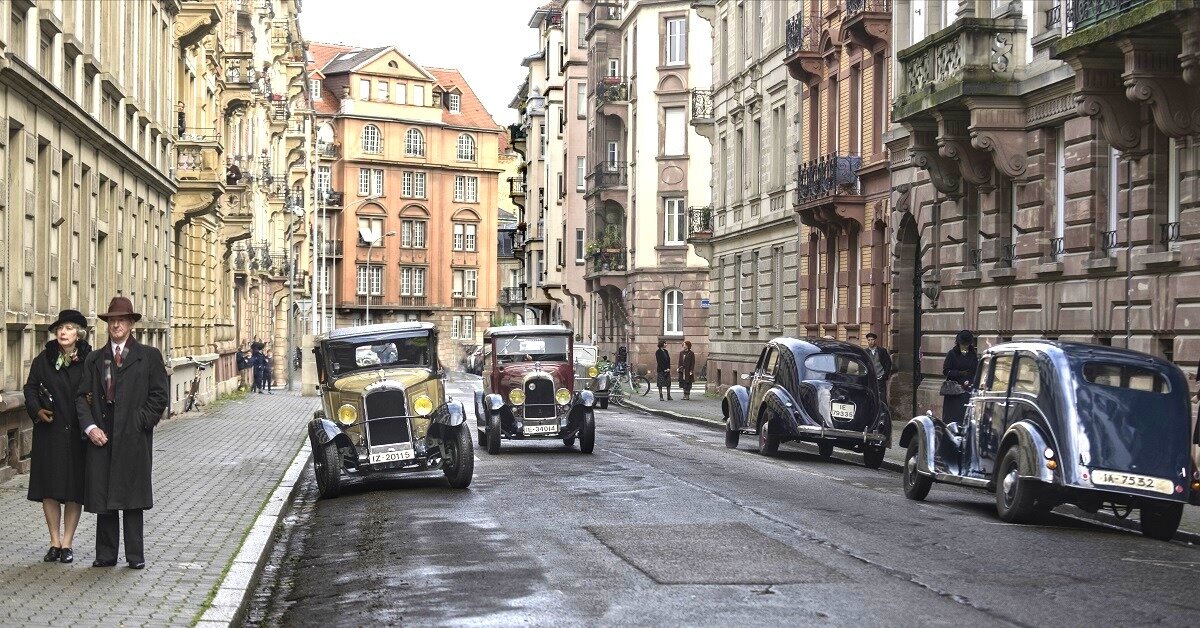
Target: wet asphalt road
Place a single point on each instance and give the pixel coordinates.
(663, 525)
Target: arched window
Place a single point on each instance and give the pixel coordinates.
(414, 143)
(466, 147)
(673, 313)
(372, 139)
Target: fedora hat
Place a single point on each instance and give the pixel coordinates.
(70, 316)
(120, 306)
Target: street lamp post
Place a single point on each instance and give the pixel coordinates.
(371, 245)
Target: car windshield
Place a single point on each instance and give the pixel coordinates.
(345, 357)
(835, 367)
(531, 349)
(585, 355)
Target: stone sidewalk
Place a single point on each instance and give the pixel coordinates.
(706, 411)
(213, 471)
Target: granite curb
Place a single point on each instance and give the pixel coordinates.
(232, 594)
(897, 466)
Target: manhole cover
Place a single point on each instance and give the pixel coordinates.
(726, 553)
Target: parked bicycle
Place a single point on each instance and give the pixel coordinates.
(624, 382)
(191, 398)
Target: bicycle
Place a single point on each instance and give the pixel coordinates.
(625, 382)
(191, 398)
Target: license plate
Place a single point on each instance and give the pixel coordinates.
(541, 429)
(842, 410)
(392, 456)
(1129, 480)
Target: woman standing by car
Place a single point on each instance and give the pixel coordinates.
(56, 473)
(959, 369)
(662, 358)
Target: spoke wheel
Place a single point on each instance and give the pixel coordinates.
(458, 458)
(327, 464)
(641, 385)
(1016, 498)
(916, 485)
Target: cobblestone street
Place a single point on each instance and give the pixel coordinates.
(212, 472)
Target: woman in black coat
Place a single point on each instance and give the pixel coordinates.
(959, 367)
(662, 359)
(56, 470)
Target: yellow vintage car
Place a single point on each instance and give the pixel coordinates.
(384, 408)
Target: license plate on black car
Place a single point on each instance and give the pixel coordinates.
(392, 456)
(541, 429)
(842, 410)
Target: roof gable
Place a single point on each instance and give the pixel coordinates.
(403, 68)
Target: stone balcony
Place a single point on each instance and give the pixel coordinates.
(971, 57)
(200, 170)
(702, 113)
(196, 20)
(605, 14)
(700, 230)
(868, 22)
(829, 192)
(802, 38)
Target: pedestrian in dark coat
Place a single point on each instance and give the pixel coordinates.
(687, 369)
(882, 363)
(959, 367)
(127, 385)
(56, 462)
(663, 369)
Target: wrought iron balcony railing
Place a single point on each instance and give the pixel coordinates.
(828, 176)
(370, 299)
(1057, 247)
(1008, 253)
(334, 199)
(854, 7)
(513, 295)
(702, 104)
(607, 261)
(1054, 16)
(610, 174)
(516, 133)
(700, 220)
(1108, 240)
(1082, 14)
(516, 186)
(802, 32)
(975, 257)
(611, 89)
(1169, 233)
(328, 151)
(332, 248)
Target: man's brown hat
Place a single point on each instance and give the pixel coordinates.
(120, 306)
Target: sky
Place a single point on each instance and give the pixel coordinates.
(483, 39)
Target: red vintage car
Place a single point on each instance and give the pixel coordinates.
(529, 389)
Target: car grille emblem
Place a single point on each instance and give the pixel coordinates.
(531, 386)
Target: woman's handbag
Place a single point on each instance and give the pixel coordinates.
(951, 388)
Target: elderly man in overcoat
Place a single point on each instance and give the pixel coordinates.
(122, 397)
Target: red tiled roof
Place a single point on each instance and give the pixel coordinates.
(472, 112)
(322, 54)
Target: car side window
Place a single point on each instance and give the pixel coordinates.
(768, 355)
(983, 373)
(772, 360)
(1028, 377)
(1001, 373)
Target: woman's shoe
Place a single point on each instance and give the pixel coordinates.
(51, 555)
(66, 555)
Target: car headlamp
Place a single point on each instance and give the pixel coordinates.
(347, 414)
(562, 396)
(423, 405)
(516, 397)
(593, 371)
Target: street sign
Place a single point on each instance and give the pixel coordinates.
(705, 304)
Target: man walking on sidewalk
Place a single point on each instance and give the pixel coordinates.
(882, 362)
(121, 399)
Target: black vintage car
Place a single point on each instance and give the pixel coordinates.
(812, 389)
(529, 389)
(383, 407)
(1052, 422)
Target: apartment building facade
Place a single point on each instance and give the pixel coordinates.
(239, 121)
(409, 155)
(551, 138)
(645, 166)
(87, 144)
(1047, 176)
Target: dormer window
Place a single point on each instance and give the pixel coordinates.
(314, 86)
(454, 102)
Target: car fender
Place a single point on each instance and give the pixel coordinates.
(493, 402)
(451, 414)
(321, 430)
(1030, 443)
(577, 417)
(779, 406)
(585, 398)
(735, 406)
(922, 429)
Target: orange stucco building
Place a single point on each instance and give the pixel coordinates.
(408, 155)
